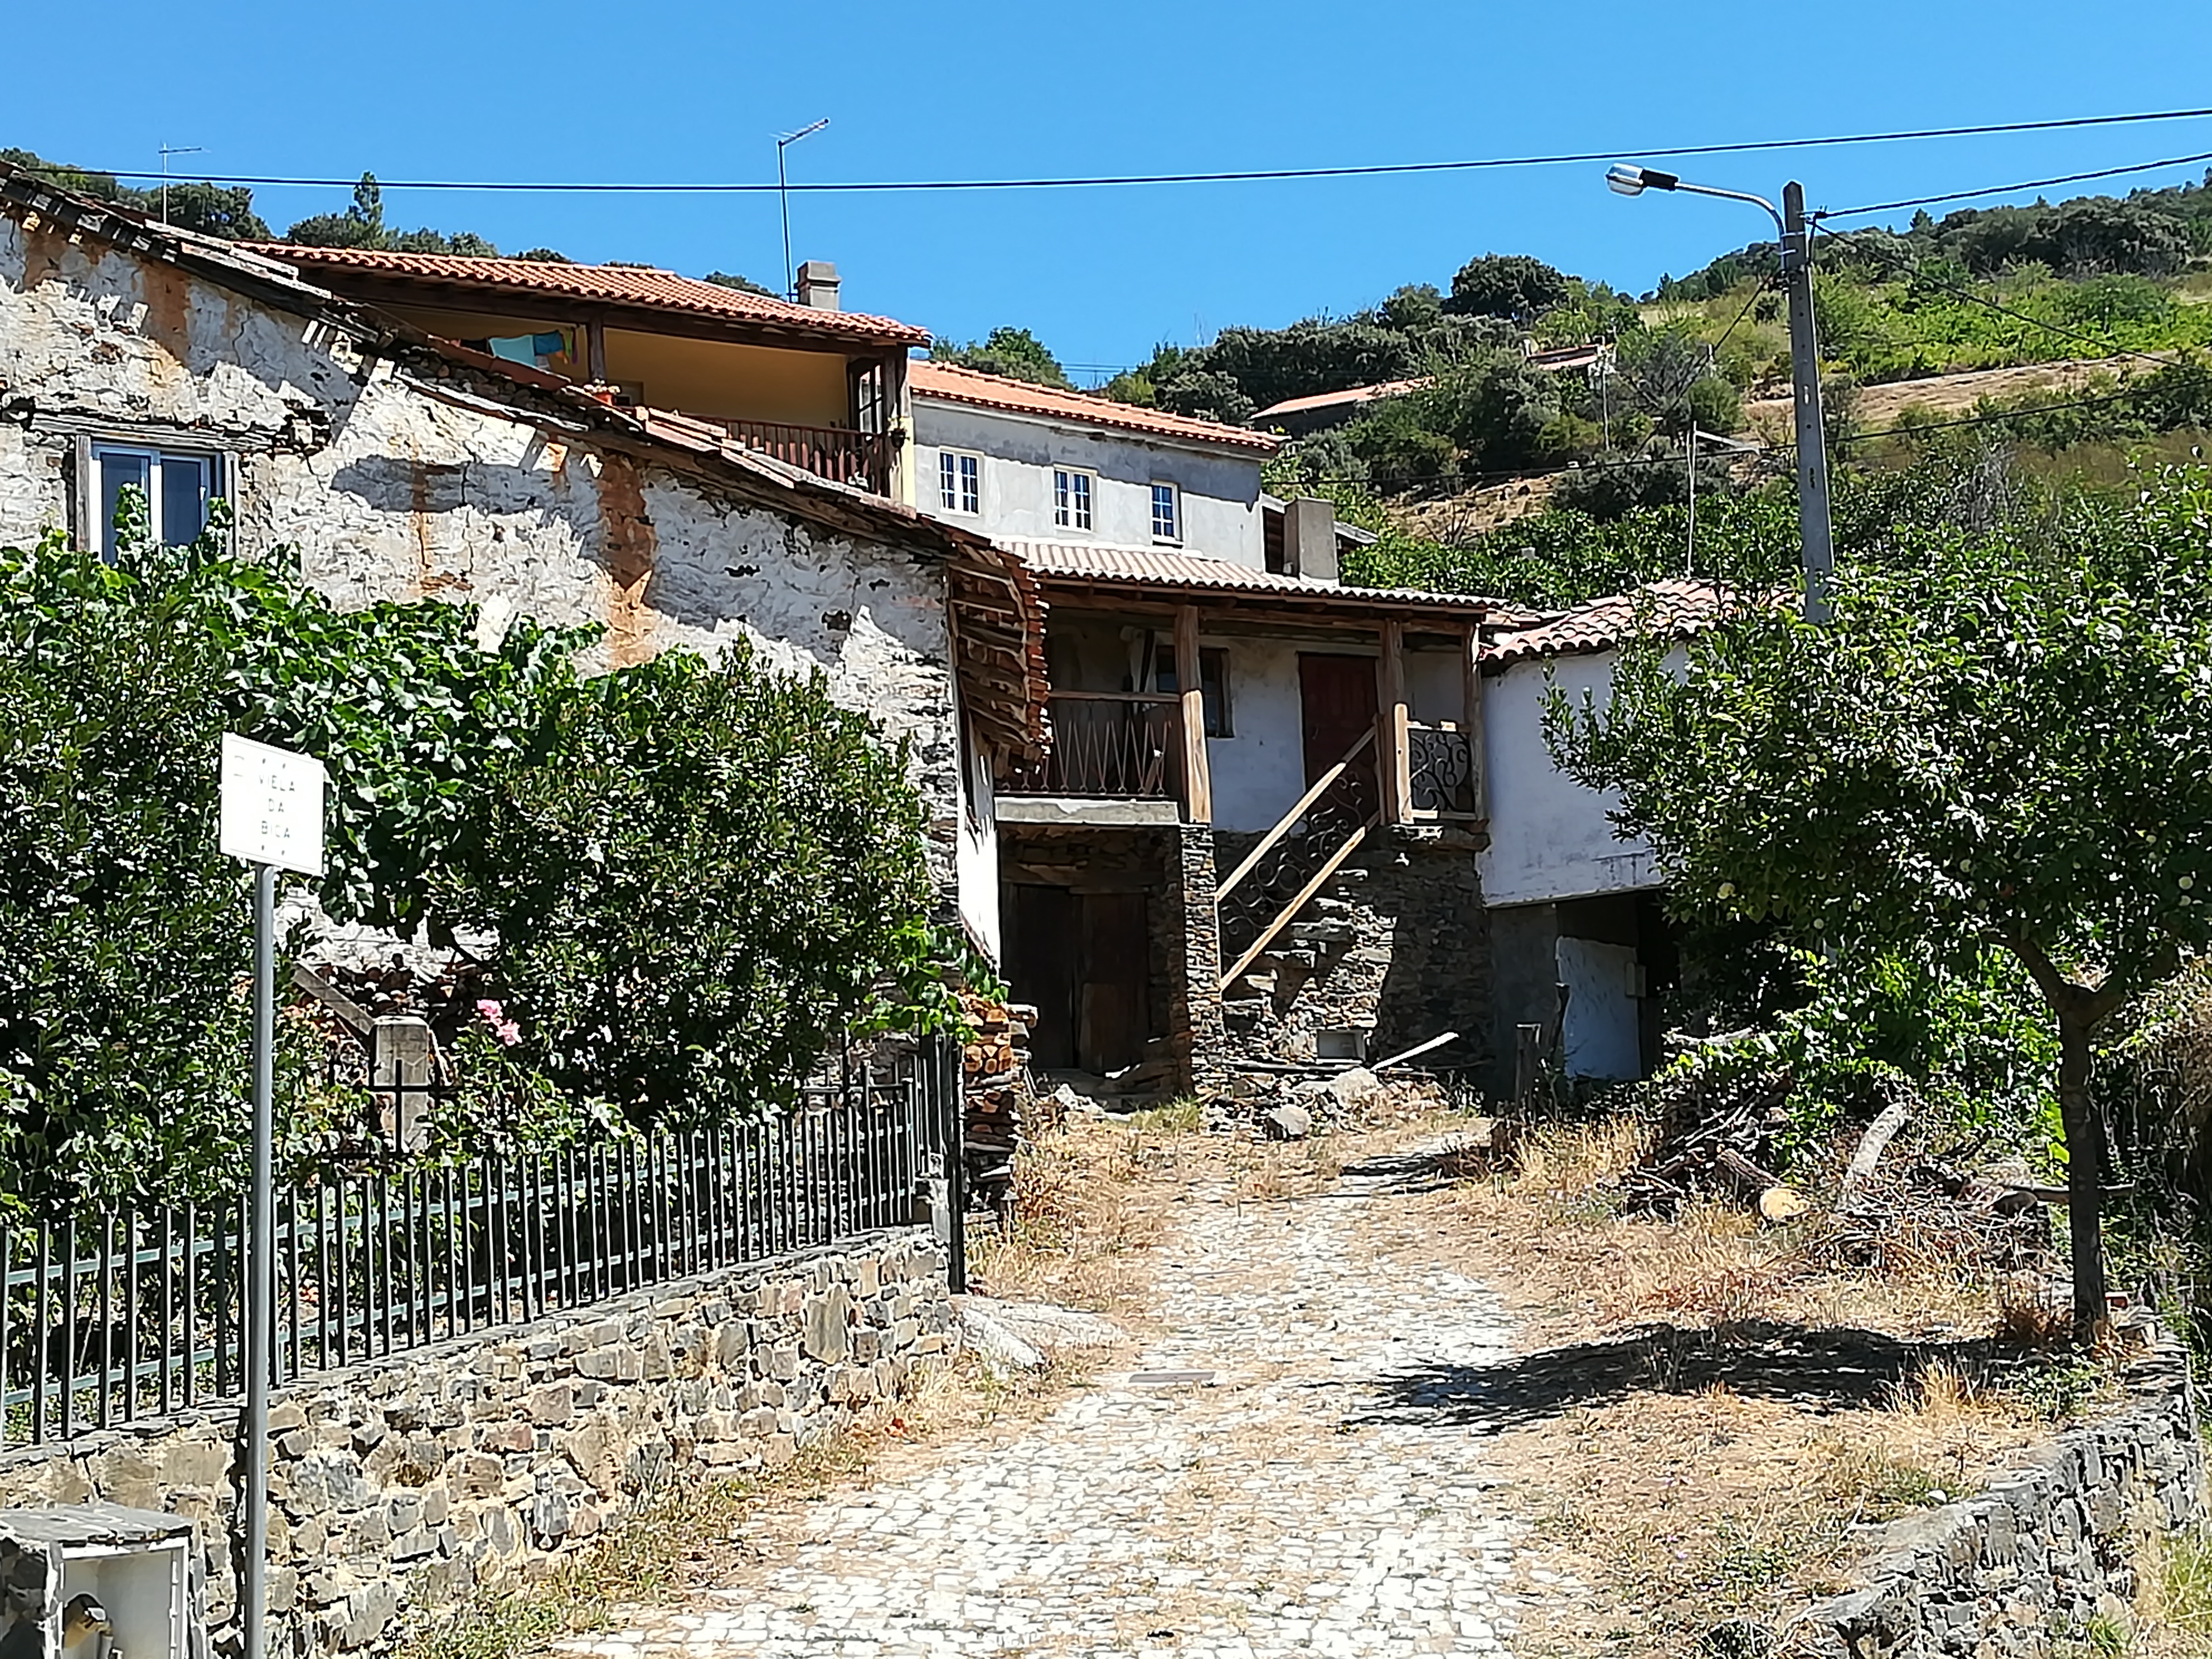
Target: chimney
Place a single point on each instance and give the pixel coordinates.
(1310, 538)
(817, 285)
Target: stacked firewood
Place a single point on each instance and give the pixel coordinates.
(995, 1088)
(1708, 1147)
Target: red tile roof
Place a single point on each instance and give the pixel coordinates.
(929, 379)
(626, 285)
(1158, 567)
(1676, 609)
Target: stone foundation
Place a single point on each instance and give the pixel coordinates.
(2024, 1568)
(1395, 951)
(397, 1486)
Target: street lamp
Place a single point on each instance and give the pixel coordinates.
(783, 140)
(1624, 178)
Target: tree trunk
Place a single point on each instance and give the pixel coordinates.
(2085, 1175)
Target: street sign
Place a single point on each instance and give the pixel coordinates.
(273, 806)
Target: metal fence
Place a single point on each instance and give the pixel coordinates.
(108, 1317)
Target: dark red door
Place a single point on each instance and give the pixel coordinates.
(1337, 697)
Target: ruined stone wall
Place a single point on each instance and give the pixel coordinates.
(1396, 947)
(398, 1485)
(388, 492)
(2024, 1568)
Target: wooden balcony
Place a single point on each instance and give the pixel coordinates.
(1108, 745)
(862, 460)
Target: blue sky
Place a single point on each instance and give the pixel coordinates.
(697, 92)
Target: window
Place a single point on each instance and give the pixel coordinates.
(177, 487)
(1166, 512)
(1212, 684)
(1071, 499)
(960, 481)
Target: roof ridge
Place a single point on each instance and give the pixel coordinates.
(1033, 396)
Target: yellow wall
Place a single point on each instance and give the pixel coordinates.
(695, 377)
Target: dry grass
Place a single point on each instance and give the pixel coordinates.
(2173, 1613)
(1730, 1409)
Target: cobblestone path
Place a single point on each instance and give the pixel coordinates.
(1298, 1502)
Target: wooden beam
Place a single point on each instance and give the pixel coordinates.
(595, 349)
(1282, 824)
(1197, 773)
(1319, 880)
(1391, 762)
(1478, 759)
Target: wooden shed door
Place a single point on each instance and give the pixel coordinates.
(1084, 960)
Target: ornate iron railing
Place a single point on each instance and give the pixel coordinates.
(1439, 772)
(1118, 746)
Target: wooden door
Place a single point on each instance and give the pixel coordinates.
(1041, 968)
(1117, 981)
(1337, 700)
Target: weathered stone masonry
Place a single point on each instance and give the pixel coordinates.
(397, 1485)
(2028, 1564)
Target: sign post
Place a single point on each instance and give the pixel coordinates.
(272, 818)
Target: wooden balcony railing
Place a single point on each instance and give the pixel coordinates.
(1115, 745)
(860, 458)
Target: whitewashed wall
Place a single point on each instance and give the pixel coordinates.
(389, 494)
(1550, 838)
(1220, 489)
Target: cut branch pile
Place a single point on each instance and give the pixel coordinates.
(1707, 1147)
(1926, 1217)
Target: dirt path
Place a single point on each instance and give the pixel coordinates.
(1299, 1487)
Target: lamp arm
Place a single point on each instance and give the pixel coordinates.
(1772, 211)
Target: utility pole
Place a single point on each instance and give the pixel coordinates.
(1813, 527)
(1814, 530)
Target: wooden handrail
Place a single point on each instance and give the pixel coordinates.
(1112, 696)
(1282, 824)
(1320, 879)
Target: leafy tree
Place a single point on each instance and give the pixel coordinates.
(698, 873)
(553, 256)
(362, 225)
(1512, 285)
(1996, 743)
(211, 209)
(1013, 352)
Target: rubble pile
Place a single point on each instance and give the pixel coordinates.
(1926, 1216)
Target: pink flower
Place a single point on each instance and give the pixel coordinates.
(494, 1014)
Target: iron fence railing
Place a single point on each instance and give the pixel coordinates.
(1119, 745)
(108, 1317)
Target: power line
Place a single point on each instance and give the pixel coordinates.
(2008, 189)
(1992, 419)
(1254, 175)
(1898, 262)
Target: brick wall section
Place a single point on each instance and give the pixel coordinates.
(398, 1485)
(1397, 946)
(2023, 1568)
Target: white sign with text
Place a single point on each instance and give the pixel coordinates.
(273, 806)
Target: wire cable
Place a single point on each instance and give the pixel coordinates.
(1897, 262)
(2068, 123)
(2008, 189)
(1993, 418)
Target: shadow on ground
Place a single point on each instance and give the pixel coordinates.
(1829, 1370)
(1423, 1170)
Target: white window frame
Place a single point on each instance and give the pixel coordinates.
(100, 531)
(957, 469)
(1074, 498)
(1173, 537)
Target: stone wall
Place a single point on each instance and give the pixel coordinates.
(1395, 950)
(398, 1485)
(2028, 1564)
(392, 483)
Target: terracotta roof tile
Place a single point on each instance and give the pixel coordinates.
(631, 285)
(1676, 608)
(928, 379)
(1158, 567)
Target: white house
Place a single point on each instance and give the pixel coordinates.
(1572, 902)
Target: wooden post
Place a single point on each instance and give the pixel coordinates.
(1197, 773)
(1391, 764)
(1477, 764)
(595, 351)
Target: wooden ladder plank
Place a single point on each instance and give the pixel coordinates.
(1320, 879)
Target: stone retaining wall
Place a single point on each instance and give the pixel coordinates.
(397, 1485)
(2031, 1561)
